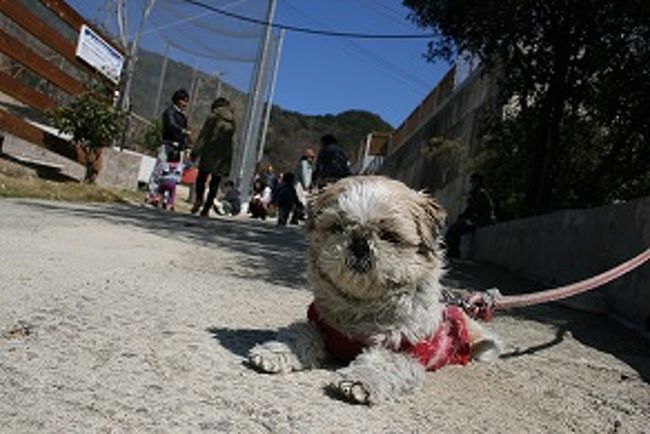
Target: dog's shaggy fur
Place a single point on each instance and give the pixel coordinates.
(374, 267)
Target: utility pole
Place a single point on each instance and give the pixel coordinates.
(161, 82)
(194, 88)
(219, 76)
(132, 49)
(269, 103)
(243, 165)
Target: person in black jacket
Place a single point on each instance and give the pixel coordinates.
(478, 212)
(174, 120)
(331, 163)
(175, 136)
(286, 198)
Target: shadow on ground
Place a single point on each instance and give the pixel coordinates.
(277, 255)
(594, 330)
(241, 341)
(266, 252)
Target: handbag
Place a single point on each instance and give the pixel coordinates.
(189, 175)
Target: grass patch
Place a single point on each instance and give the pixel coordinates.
(20, 182)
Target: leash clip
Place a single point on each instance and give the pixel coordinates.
(478, 305)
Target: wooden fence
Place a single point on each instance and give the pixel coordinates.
(28, 42)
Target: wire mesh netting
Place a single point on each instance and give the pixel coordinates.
(210, 55)
(186, 45)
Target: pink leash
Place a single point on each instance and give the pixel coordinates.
(481, 305)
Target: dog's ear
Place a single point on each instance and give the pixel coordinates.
(322, 200)
(434, 211)
(430, 220)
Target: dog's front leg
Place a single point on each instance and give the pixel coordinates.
(379, 374)
(298, 347)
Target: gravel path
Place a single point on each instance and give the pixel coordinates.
(126, 319)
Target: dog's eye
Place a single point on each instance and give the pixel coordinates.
(335, 228)
(390, 236)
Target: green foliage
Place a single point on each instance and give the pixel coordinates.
(90, 119)
(574, 76)
(152, 136)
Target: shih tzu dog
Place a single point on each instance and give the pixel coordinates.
(375, 266)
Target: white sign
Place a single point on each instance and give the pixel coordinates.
(96, 52)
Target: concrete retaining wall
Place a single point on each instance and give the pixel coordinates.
(459, 119)
(571, 245)
(119, 168)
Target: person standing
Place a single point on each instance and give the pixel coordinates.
(304, 175)
(478, 212)
(175, 139)
(305, 169)
(331, 164)
(286, 198)
(214, 149)
(175, 133)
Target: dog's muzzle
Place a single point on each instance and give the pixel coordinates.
(359, 258)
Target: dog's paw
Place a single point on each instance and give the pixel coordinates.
(486, 350)
(355, 391)
(272, 358)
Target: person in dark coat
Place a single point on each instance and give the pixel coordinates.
(175, 138)
(331, 164)
(214, 149)
(286, 198)
(174, 120)
(478, 212)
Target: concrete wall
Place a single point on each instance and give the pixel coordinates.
(27, 151)
(458, 118)
(119, 168)
(571, 245)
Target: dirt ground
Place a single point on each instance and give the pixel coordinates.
(118, 318)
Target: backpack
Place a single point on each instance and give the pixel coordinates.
(334, 163)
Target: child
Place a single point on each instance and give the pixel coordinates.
(258, 205)
(231, 202)
(286, 198)
(169, 178)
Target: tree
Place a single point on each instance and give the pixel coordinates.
(152, 137)
(575, 76)
(93, 124)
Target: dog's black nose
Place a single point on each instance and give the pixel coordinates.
(359, 248)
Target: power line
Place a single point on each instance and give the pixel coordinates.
(180, 18)
(308, 30)
(207, 52)
(380, 9)
(356, 50)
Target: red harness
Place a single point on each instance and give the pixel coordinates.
(448, 346)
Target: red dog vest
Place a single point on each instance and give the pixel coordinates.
(448, 346)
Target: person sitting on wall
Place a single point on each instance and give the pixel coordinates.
(478, 212)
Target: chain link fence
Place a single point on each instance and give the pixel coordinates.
(194, 46)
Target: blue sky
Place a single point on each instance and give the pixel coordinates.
(317, 74)
(320, 75)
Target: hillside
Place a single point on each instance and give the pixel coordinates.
(289, 132)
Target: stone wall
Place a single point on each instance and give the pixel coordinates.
(571, 245)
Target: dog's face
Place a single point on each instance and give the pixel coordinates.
(371, 236)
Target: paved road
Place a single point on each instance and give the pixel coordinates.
(124, 319)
